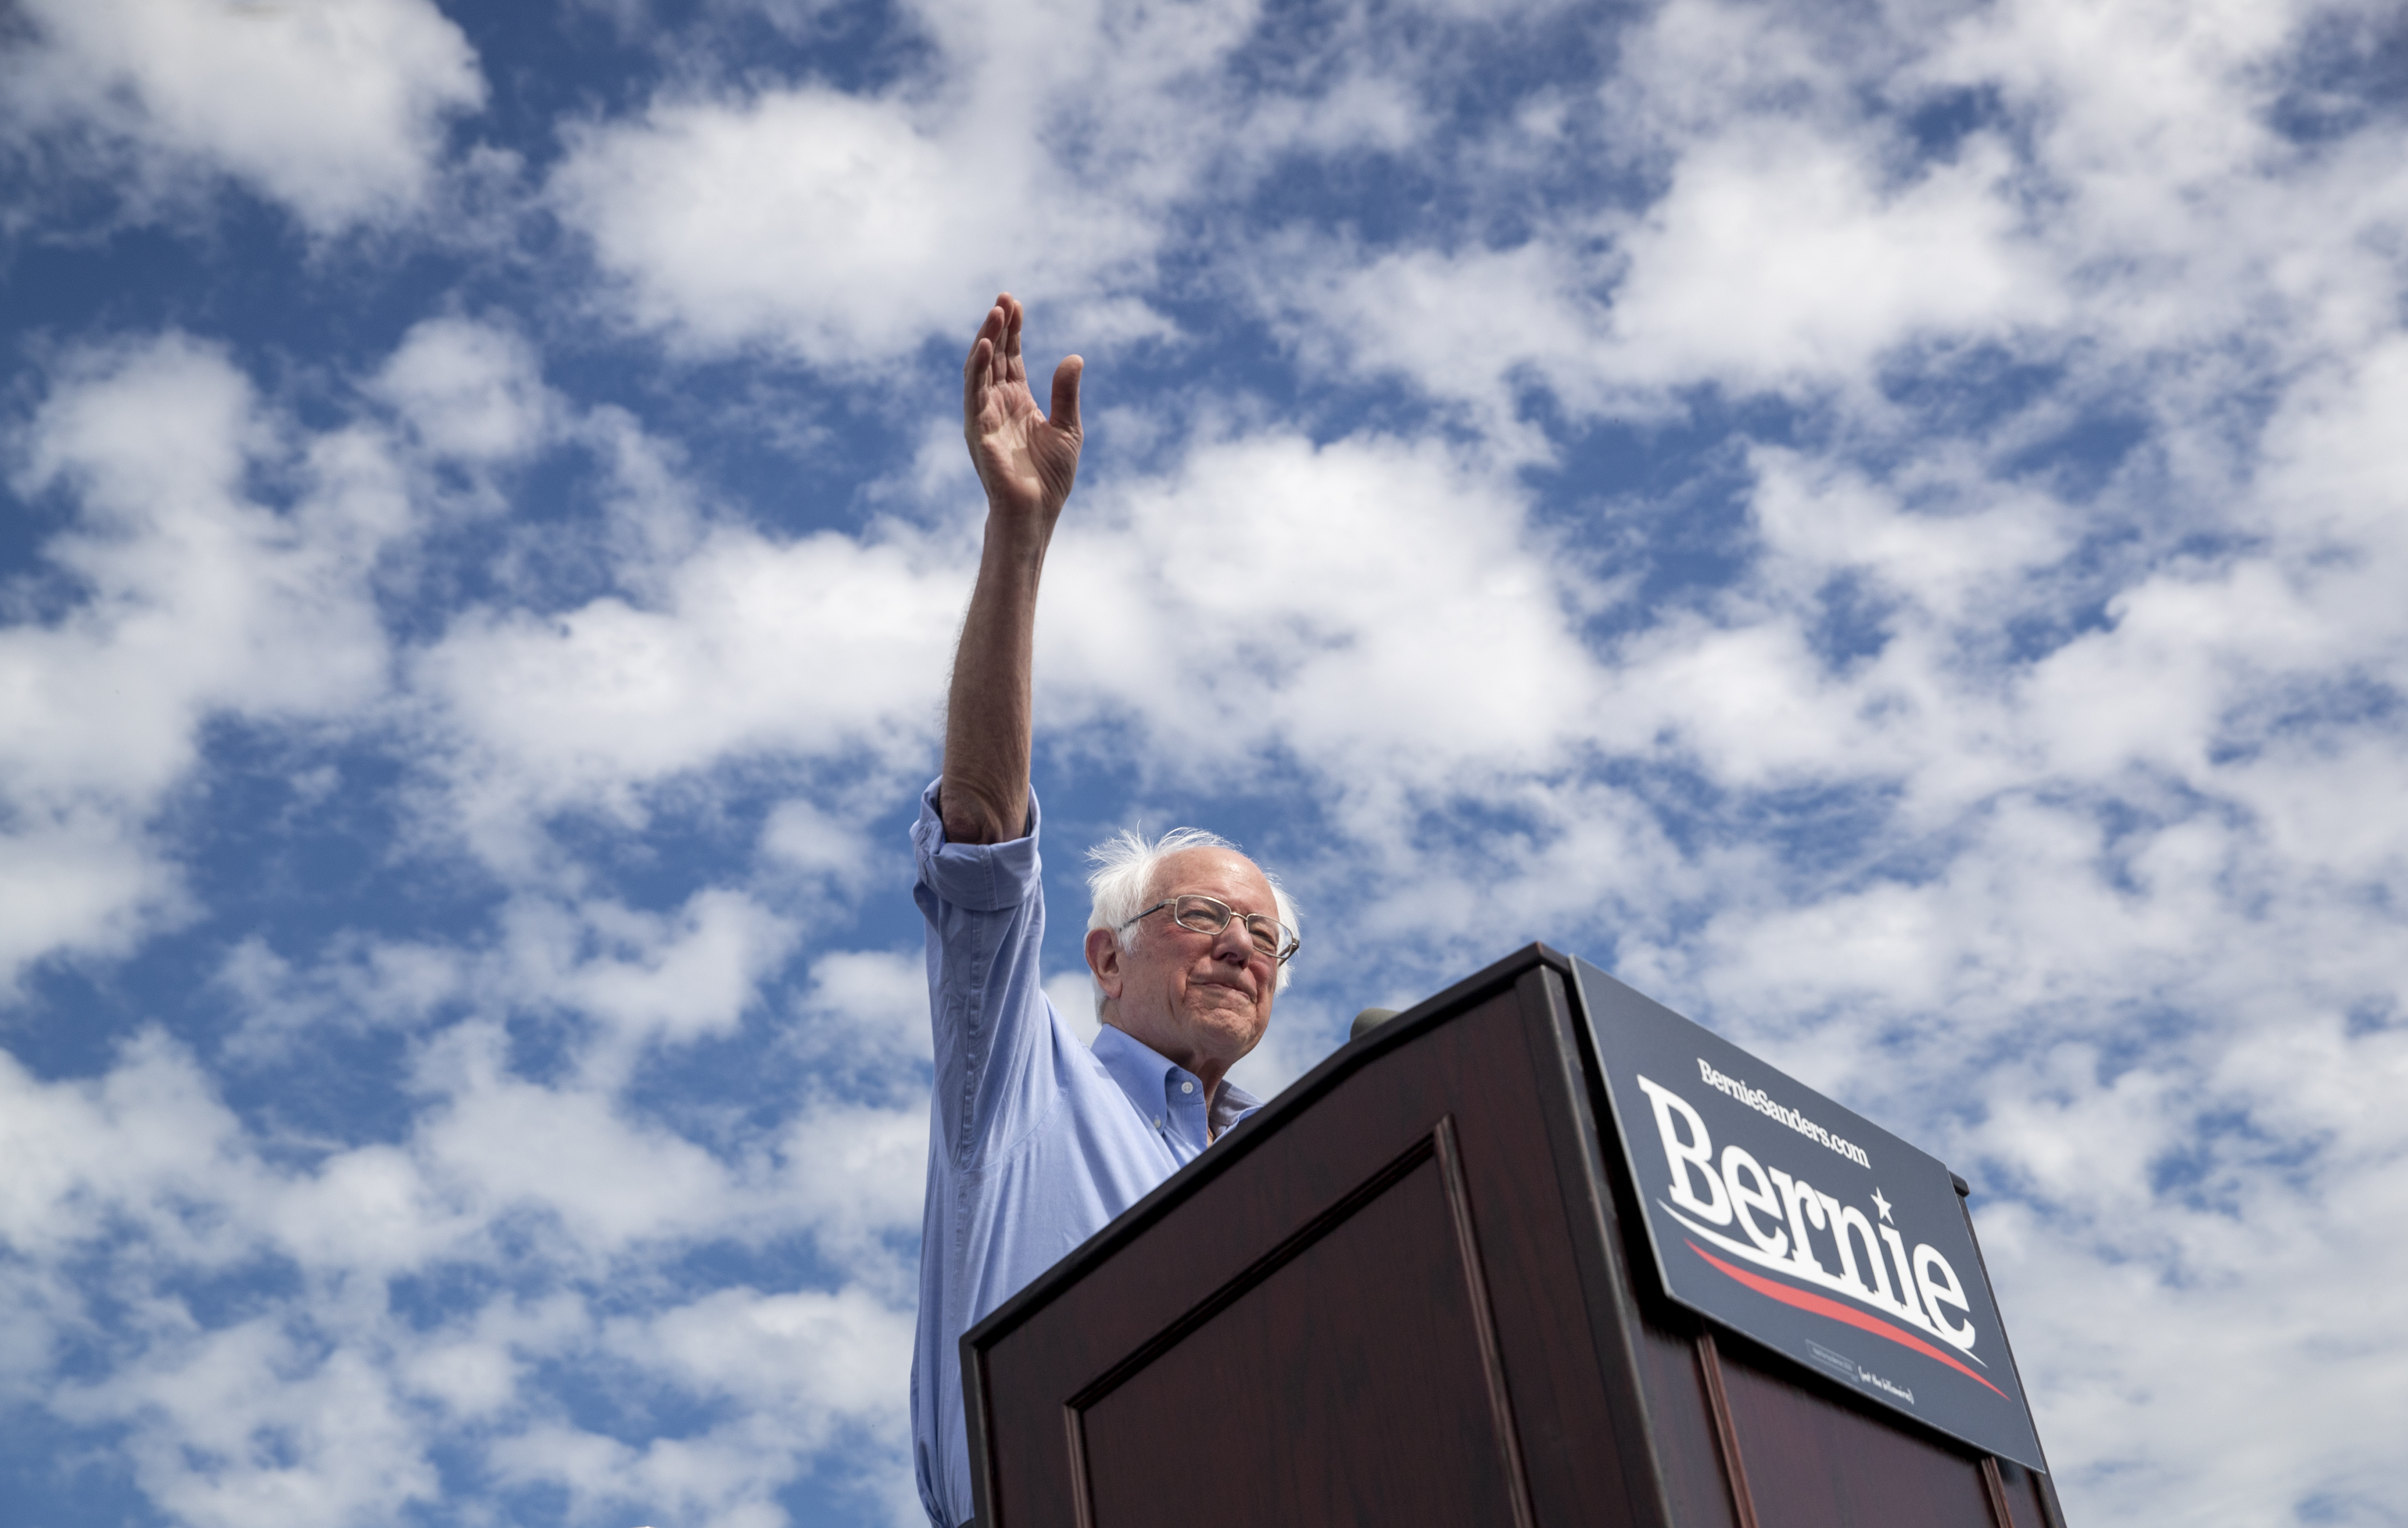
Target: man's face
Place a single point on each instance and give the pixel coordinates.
(1203, 1000)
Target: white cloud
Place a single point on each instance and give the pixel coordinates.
(847, 229)
(1470, 326)
(803, 834)
(1791, 247)
(1051, 159)
(868, 1010)
(824, 647)
(197, 594)
(336, 109)
(250, 1427)
(84, 880)
(1380, 606)
(183, 598)
(2264, 1237)
(646, 977)
(838, 228)
(643, 981)
(1074, 994)
(2334, 487)
(148, 1132)
(1940, 532)
(327, 1399)
(2117, 199)
(1778, 258)
(469, 391)
(857, 1173)
(476, 1367)
(360, 983)
(1299, 1037)
(508, 1145)
(803, 1353)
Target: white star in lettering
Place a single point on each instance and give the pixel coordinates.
(1882, 1205)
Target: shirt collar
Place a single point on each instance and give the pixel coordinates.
(1150, 1078)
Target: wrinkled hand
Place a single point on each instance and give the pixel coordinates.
(1027, 459)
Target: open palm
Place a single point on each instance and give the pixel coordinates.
(1027, 459)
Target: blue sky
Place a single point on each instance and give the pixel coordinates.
(1873, 522)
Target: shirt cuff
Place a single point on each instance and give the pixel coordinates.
(981, 878)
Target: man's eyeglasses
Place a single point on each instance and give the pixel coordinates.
(1210, 915)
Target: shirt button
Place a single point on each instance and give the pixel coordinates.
(1187, 1087)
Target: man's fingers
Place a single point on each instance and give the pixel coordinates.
(1064, 415)
(974, 376)
(990, 332)
(995, 361)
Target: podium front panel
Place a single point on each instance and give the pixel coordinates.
(1818, 1463)
(1367, 1307)
(1372, 1314)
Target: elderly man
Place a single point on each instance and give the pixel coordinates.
(1036, 1140)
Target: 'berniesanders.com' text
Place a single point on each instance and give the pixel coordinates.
(1760, 1101)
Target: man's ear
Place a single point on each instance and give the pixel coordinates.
(1104, 960)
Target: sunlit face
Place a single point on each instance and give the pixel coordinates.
(1203, 1000)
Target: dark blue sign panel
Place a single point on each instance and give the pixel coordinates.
(1808, 1228)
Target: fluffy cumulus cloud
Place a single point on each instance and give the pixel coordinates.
(470, 391)
(328, 1400)
(1410, 592)
(1882, 526)
(277, 1355)
(171, 596)
(334, 109)
(1056, 152)
(825, 646)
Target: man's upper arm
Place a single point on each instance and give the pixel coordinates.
(985, 911)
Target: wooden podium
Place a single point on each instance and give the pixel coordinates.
(1405, 1294)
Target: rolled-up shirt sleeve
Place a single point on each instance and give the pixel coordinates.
(985, 913)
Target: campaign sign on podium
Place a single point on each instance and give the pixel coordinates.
(1804, 1226)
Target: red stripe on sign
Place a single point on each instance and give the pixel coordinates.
(1839, 1312)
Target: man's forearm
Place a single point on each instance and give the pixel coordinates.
(989, 711)
(1027, 462)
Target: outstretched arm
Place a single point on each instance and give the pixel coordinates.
(1026, 461)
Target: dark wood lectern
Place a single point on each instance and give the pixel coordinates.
(1405, 1294)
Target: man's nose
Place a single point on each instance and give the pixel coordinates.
(1235, 941)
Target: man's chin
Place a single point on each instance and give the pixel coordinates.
(1228, 1023)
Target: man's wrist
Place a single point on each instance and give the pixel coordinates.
(1018, 534)
(1015, 509)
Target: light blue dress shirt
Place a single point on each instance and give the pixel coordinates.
(1035, 1140)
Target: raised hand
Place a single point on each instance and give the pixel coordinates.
(1027, 459)
(1027, 462)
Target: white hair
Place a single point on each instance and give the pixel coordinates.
(1123, 879)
